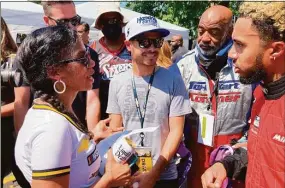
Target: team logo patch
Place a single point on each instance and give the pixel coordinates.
(94, 174)
(228, 92)
(147, 20)
(278, 138)
(256, 121)
(198, 92)
(92, 157)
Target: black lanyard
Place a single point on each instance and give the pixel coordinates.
(215, 88)
(140, 113)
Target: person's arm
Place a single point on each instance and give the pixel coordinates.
(104, 182)
(116, 121)
(56, 182)
(7, 110)
(236, 164)
(21, 105)
(176, 125)
(232, 166)
(51, 153)
(113, 107)
(115, 175)
(169, 148)
(92, 108)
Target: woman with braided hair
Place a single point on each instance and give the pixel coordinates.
(53, 148)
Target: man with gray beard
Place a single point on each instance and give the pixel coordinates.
(219, 101)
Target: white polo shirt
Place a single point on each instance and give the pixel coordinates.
(50, 144)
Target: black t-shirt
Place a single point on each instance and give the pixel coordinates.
(7, 96)
(7, 90)
(79, 104)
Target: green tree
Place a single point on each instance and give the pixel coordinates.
(182, 13)
(36, 1)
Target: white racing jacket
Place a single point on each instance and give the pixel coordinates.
(233, 101)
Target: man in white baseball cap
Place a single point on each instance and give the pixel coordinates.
(114, 57)
(150, 96)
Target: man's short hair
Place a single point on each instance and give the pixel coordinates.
(268, 18)
(86, 26)
(47, 4)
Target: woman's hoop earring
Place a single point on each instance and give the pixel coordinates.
(54, 86)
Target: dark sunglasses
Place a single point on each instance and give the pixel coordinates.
(146, 43)
(75, 21)
(83, 60)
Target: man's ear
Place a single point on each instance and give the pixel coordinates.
(278, 49)
(46, 20)
(230, 31)
(128, 45)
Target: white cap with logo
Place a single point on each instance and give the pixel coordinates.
(142, 24)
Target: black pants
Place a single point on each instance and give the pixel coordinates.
(167, 184)
(8, 162)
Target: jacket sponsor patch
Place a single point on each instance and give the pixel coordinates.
(228, 91)
(278, 138)
(92, 157)
(94, 174)
(256, 121)
(198, 86)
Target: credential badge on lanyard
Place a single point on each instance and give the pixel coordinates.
(141, 114)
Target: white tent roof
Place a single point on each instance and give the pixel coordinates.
(22, 17)
(90, 10)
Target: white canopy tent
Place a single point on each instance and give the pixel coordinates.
(89, 12)
(24, 17)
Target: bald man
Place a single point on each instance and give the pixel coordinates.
(177, 47)
(219, 101)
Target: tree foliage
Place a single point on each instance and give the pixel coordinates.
(182, 13)
(36, 1)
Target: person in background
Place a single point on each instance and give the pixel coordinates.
(164, 57)
(8, 52)
(150, 96)
(86, 104)
(53, 148)
(177, 47)
(19, 38)
(220, 102)
(113, 55)
(258, 55)
(83, 31)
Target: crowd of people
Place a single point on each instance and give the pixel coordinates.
(222, 101)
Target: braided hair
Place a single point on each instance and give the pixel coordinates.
(41, 50)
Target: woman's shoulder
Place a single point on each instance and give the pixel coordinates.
(40, 117)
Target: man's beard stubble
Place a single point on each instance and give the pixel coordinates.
(214, 49)
(255, 75)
